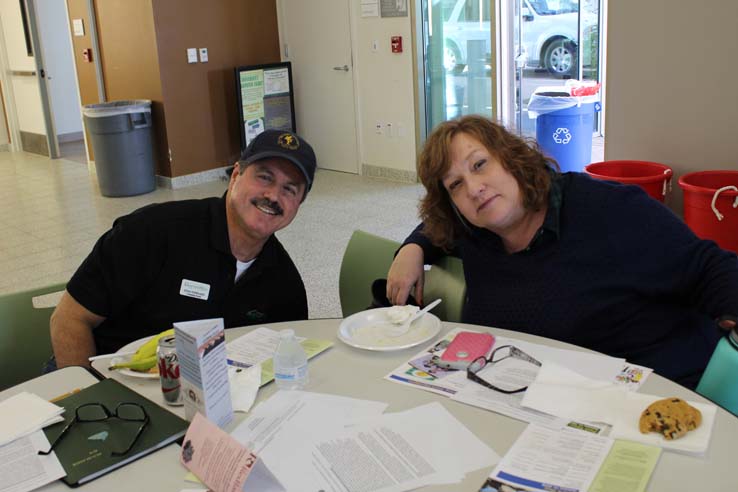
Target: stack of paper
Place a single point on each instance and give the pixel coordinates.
(561, 392)
(312, 441)
(21, 419)
(418, 373)
(258, 346)
(25, 413)
(570, 460)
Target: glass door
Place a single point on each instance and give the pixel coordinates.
(456, 59)
(552, 41)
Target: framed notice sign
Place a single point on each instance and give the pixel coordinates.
(265, 99)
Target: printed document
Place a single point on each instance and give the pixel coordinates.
(23, 469)
(628, 468)
(387, 453)
(286, 411)
(545, 459)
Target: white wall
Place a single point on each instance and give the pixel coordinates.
(25, 89)
(385, 91)
(671, 84)
(59, 65)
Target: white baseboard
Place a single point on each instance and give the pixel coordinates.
(389, 173)
(178, 182)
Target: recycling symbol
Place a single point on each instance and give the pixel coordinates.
(562, 136)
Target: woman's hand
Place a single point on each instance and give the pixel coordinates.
(405, 272)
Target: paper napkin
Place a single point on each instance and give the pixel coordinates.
(25, 413)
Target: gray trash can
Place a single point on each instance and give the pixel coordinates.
(123, 142)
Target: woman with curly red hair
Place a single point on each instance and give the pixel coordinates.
(593, 263)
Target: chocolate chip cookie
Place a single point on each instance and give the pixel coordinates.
(672, 417)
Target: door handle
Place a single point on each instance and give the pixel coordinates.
(344, 68)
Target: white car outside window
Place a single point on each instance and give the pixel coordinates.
(550, 29)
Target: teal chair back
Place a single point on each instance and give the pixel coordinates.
(25, 342)
(368, 257)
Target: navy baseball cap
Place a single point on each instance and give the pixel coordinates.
(284, 144)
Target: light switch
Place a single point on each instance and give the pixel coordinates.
(203, 55)
(191, 55)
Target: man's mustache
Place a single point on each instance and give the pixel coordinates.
(268, 204)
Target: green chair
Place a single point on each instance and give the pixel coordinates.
(445, 280)
(25, 342)
(368, 257)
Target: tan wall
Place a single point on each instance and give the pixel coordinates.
(130, 63)
(200, 99)
(671, 84)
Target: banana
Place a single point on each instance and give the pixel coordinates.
(145, 357)
(141, 365)
(148, 349)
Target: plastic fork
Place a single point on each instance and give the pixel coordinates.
(400, 330)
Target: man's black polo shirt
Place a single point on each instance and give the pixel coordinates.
(136, 272)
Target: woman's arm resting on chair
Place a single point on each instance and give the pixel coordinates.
(405, 272)
(71, 332)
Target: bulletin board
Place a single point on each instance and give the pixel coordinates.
(265, 99)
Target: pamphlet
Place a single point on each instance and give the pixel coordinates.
(204, 370)
(421, 373)
(221, 462)
(258, 346)
(627, 468)
(545, 459)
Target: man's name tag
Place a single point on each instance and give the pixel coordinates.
(198, 290)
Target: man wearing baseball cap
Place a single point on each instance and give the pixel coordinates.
(193, 259)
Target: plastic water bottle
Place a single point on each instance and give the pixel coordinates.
(718, 382)
(290, 362)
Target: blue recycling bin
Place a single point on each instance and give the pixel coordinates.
(564, 126)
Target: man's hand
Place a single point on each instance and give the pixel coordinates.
(405, 272)
(727, 321)
(71, 332)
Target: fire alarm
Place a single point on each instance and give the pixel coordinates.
(396, 43)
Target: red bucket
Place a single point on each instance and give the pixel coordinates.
(653, 177)
(711, 206)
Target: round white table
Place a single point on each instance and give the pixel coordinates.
(347, 371)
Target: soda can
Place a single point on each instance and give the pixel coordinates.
(169, 371)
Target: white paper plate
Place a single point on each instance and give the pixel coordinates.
(366, 330)
(134, 345)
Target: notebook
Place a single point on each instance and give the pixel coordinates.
(85, 452)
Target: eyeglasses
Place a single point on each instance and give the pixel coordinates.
(97, 412)
(511, 378)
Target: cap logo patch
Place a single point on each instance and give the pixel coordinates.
(288, 141)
